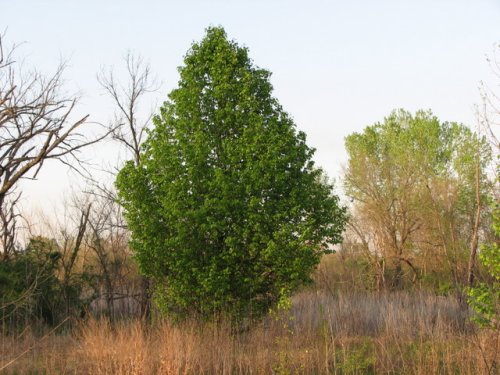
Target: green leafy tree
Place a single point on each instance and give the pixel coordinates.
(226, 208)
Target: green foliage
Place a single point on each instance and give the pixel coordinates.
(29, 286)
(226, 207)
(485, 298)
(33, 288)
(359, 360)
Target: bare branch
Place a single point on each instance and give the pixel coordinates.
(36, 124)
(127, 129)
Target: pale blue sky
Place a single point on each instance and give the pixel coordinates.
(337, 66)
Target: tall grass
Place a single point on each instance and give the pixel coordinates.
(397, 333)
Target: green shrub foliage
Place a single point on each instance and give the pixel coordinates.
(29, 288)
(484, 298)
(226, 208)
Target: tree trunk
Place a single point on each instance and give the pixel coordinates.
(475, 233)
(145, 302)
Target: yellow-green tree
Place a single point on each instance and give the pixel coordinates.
(412, 180)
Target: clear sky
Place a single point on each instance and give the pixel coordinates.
(337, 66)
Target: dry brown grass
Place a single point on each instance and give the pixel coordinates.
(322, 334)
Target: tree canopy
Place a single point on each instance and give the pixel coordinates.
(227, 211)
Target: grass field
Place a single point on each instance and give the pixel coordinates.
(396, 333)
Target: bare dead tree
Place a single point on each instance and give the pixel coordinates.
(488, 118)
(127, 128)
(36, 125)
(489, 113)
(71, 247)
(8, 224)
(109, 244)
